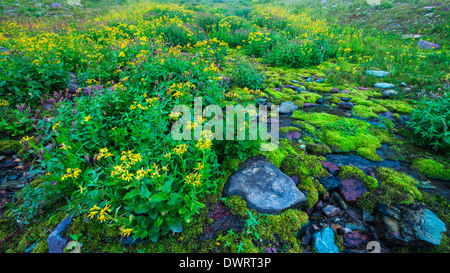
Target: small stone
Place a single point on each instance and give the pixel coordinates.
(377, 73)
(345, 99)
(330, 167)
(344, 230)
(55, 5)
(334, 90)
(309, 105)
(355, 239)
(293, 135)
(345, 91)
(331, 211)
(390, 93)
(352, 190)
(345, 105)
(362, 88)
(383, 85)
(340, 201)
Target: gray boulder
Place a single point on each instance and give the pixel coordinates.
(390, 93)
(264, 187)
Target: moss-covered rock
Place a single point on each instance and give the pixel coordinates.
(431, 168)
(237, 206)
(10, 146)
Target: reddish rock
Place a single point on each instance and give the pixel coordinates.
(309, 105)
(330, 167)
(352, 190)
(355, 239)
(293, 135)
(334, 90)
(362, 88)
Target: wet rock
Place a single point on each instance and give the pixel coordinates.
(331, 211)
(362, 88)
(428, 45)
(345, 99)
(309, 105)
(56, 241)
(334, 90)
(287, 107)
(345, 105)
(9, 163)
(413, 226)
(352, 190)
(343, 230)
(293, 135)
(12, 185)
(306, 239)
(330, 183)
(377, 73)
(323, 241)
(330, 167)
(295, 178)
(383, 85)
(339, 200)
(264, 187)
(355, 239)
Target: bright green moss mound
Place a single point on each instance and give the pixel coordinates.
(394, 188)
(289, 129)
(431, 168)
(345, 134)
(283, 226)
(237, 205)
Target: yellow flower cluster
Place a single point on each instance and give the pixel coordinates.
(4, 102)
(180, 149)
(125, 231)
(193, 179)
(71, 173)
(102, 213)
(104, 153)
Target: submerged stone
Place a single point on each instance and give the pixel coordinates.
(323, 241)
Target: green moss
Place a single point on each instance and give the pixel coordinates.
(396, 106)
(320, 87)
(339, 241)
(431, 168)
(12, 146)
(344, 134)
(306, 167)
(319, 149)
(351, 172)
(283, 227)
(363, 111)
(41, 247)
(278, 155)
(394, 188)
(237, 206)
(288, 129)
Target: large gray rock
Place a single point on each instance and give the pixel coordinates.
(56, 241)
(323, 241)
(414, 226)
(264, 187)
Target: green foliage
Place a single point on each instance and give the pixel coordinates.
(430, 122)
(300, 53)
(246, 74)
(24, 80)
